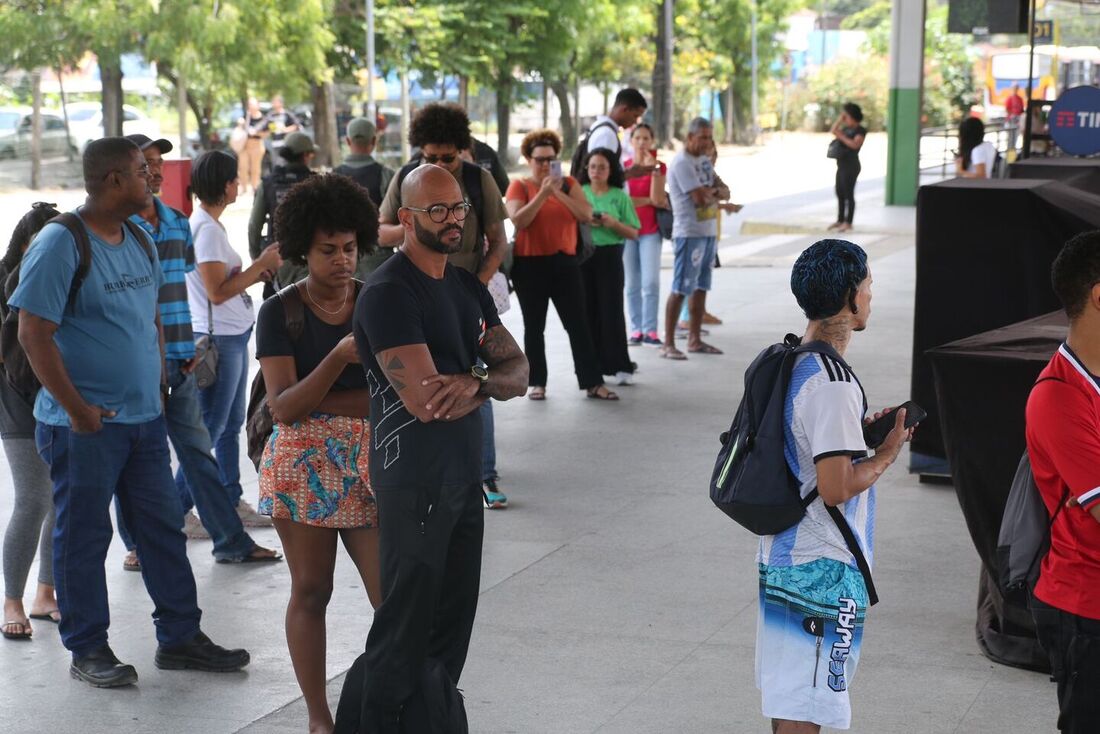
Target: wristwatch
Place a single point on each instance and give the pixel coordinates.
(479, 373)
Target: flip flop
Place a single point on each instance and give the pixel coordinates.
(705, 348)
(131, 565)
(672, 353)
(595, 394)
(275, 557)
(48, 616)
(24, 625)
(537, 393)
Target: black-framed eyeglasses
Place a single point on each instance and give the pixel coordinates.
(142, 172)
(544, 159)
(444, 159)
(438, 213)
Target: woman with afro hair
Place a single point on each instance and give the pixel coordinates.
(313, 474)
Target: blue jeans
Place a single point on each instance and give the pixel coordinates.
(694, 264)
(203, 487)
(88, 469)
(642, 265)
(223, 405)
(488, 442)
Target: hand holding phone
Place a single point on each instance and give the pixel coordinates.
(875, 432)
(555, 169)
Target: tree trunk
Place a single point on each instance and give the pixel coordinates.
(406, 112)
(504, 115)
(181, 109)
(565, 117)
(662, 76)
(545, 104)
(36, 129)
(324, 124)
(464, 91)
(730, 121)
(69, 148)
(110, 74)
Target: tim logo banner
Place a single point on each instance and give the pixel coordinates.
(1075, 121)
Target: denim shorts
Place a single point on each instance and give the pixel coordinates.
(694, 264)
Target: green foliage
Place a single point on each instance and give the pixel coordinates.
(846, 80)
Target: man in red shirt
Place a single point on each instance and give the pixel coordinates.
(1014, 108)
(1063, 442)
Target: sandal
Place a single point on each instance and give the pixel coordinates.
(537, 393)
(24, 632)
(672, 353)
(266, 555)
(600, 392)
(131, 562)
(54, 615)
(704, 348)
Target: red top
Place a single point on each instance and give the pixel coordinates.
(640, 187)
(1014, 105)
(554, 228)
(1063, 442)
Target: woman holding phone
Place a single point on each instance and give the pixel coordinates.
(545, 210)
(613, 221)
(642, 254)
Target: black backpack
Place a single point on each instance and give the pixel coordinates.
(581, 152)
(1024, 538)
(17, 369)
(258, 420)
(368, 176)
(752, 482)
(276, 187)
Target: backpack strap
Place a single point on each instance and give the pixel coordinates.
(73, 223)
(294, 310)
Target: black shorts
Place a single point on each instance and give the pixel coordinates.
(1073, 645)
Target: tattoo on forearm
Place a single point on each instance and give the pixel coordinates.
(395, 371)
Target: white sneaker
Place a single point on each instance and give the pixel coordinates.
(624, 378)
(192, 527)
(250, 518)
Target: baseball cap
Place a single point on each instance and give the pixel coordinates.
(362, 129)
(144, 141)
(299, 143)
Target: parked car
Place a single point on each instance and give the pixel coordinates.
(15, 133)
(86, 123)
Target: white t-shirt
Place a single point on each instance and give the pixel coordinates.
(983, 153)
(687, 173)
(235, 316)
(604, 136)
(823, 417)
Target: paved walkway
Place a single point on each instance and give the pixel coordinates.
(615, 598)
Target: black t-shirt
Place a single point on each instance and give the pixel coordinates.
(850, 154)
(313, 345)
(401, 305)
(278, 121)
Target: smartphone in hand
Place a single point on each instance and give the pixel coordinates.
(555, 169)
(875, 433)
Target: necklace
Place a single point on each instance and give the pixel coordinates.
(330, 313)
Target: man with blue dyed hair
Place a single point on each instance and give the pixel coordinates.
(220, 520)
(813, 598)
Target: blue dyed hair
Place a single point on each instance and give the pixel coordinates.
(826, 275)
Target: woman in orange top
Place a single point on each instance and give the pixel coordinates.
(545, 209)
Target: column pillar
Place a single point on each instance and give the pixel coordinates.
(903, 114)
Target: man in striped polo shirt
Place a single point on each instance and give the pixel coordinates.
(202, 489)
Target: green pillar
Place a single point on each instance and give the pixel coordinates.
(903, 114)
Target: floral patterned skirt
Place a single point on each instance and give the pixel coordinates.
(314, 472)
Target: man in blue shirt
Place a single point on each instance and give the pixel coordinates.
(197, 479)
(101, 429)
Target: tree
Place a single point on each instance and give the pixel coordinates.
(223, 49)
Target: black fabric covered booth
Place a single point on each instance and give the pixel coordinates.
(1080, 173)
(983, 383)
(984, 251)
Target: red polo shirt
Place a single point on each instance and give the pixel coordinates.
(1063, 442)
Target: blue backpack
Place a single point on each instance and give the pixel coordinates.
(752, 482)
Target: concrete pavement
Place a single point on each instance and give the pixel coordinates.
(615, 597)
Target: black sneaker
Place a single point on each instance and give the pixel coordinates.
(101, 669)
(635, 339)
(201, 654)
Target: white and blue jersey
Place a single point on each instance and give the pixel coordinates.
(813, 599)
(823, 417)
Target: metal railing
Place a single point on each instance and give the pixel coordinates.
(1001, 133)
